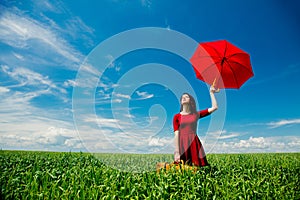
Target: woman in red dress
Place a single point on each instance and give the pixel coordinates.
(187, 144)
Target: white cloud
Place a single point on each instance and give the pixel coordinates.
(125, 96)
(228, 136)
(13, 103)
(220, 135)
(102, 122)
(295, 143)
(53, 136)
(103, 95)
(144, 95)
(105, 100)
(159, 142)
(90, 70)
(102, 134)
(43, 39)
(70, 83)
(111, 60)
(252, 142)
(112, 64)
(283, 123)
(4, 89)
(18, 56)
(24, 126)
(257, 145)
(129, 116)
(47, 6)
(26, 131)
(76, 26)
(27, 77)
(72, 26)
(107, 86)
(18, 31)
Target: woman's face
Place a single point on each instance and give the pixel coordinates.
(185, 99)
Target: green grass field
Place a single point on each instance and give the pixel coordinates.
(48, 175)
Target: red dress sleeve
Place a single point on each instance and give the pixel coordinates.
(176, 122)
(203, 113)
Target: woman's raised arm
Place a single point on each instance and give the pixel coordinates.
(214, 104)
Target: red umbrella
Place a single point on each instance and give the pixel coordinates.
(222, 64)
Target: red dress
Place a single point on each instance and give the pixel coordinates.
(190, 148)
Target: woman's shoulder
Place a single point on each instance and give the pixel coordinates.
(176, 115)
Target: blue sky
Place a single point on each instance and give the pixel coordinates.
(56, 95)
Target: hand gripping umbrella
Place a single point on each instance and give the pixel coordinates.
(221, 64)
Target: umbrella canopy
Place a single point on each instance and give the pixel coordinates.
(223, 63)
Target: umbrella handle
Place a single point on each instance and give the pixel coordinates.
(213, 84)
